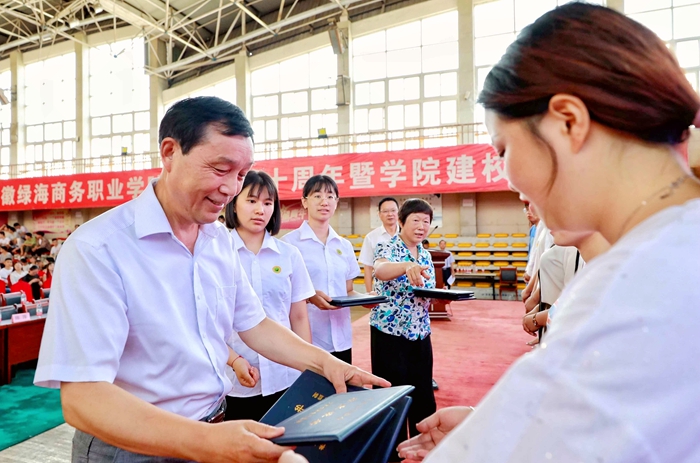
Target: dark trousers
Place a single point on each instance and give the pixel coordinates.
(446, 274)
(404, 362)
(250, 408)
(344, 355)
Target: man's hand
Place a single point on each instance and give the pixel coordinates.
(321, 300)
(528, 323)
(526, 278)
(417, 274)
(290, 457)
(432, 430)
(244, 441)
(338, 372)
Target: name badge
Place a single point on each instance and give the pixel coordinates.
(21, 317)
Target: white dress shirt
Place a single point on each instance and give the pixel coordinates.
(16, 276)
(557, 269)
(4, 273)
(615, 379)
(543, 241)
(279, 278)
(130, 305)
(372, 239)
(329, 266)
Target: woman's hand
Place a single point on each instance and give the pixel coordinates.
(417, 274)
(247, 375)
(529, 324)
(321, 300)
(432, 430)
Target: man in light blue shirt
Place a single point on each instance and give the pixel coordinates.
(144, 298)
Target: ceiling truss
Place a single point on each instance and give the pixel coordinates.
(183, 36)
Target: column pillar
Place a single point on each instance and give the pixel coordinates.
(82, 102)
(466, 86)
(17, 129)
(344, 87)
(157, 54)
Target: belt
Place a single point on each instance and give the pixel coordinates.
(217, 416)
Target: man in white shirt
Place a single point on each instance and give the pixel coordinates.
(389, 215)
(145, 298)
(4, 240)
(55, 247)
(447, 268)
(6, 270)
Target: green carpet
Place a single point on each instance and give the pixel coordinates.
(27, 410)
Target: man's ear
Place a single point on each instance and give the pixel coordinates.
(169, 147)
(574, 116)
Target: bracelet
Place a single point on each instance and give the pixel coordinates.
(234, 360)
(534, 320)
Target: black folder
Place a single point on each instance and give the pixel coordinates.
(350, 301)
(444, 294)
(368, 439)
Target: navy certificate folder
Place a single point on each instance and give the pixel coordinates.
(338, 416)
(368, 439)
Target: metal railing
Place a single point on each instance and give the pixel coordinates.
(390, 140)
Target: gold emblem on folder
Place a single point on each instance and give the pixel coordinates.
(299, 408)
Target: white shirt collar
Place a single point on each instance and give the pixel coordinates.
(307, 233)
(268, 242)
(150, 218)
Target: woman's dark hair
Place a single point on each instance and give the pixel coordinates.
(320, 183)
(622, 71)
(257, 181)
(186, 121)
(414, 206)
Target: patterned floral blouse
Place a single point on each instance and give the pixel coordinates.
(405, 314)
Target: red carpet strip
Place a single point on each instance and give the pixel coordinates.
(471, 351)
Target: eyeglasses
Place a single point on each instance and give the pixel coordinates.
(525, 210)
(390, 211)
(318, 197)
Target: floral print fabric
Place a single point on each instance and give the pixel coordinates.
(405, 314)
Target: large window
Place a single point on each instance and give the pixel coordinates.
(678, 23)
(406, 78)
(119, 99)
(496, 25)
(225, 90)
(293, 100)
(49, 111)
(5, 123)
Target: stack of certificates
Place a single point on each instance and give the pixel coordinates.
(360, 426)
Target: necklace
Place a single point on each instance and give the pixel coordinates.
(663, 193)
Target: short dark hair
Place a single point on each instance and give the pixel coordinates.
(29, 234)
(319, 183)
(415, 206)
(257, 180)
(384, 200)
(187, 121)
(40, 233)
(33, 267)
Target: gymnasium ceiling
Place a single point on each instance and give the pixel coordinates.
(195, 35)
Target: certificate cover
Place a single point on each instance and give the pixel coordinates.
(350, 301)
(308, 389)
(386, 440)
(338, 416)
(360, 447)
(444, 294)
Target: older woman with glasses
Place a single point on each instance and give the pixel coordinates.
(330, 261)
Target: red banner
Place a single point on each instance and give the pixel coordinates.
(457, 169)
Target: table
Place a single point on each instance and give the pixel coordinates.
(490, 277)
(19, 342)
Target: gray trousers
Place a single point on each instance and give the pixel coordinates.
(90, 449)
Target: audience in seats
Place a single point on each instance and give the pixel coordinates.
(587, 107)
(17, 274)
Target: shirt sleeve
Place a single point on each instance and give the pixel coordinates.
(302, 287)
(87, 326)
(353, 266)
(551, 274)
(383, 251)
(248, 312)
(367, 252)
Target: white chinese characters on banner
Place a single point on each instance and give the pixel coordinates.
(8, 195)
(334, 172)
(460, 170)
(58, 192)
(361, 174)
(392, 170)
(41, 193)
(426, 171)
(301, 175)
(493, 165)
(76, 192)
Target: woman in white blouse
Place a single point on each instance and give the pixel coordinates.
(588, 107)
(278, 276)
(18, 274)
(330, 260)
